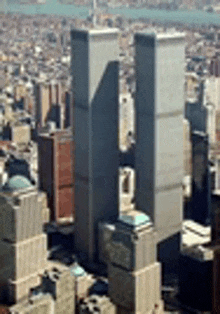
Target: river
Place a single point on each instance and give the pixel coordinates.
(56, 8)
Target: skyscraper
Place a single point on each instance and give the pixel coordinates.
(95, 94)
(159, 127)
(133, 272)
(49, 105)
(56, 173)
(43, 105)
(201, 179)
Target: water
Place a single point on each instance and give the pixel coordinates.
(56, 8)
(192, 17)
(53, 7)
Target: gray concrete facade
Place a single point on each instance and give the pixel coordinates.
(23, 245)
(95, 94)
(133, 273)
(159, 129)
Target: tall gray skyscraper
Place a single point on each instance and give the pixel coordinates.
(159, 127)
(95, 94)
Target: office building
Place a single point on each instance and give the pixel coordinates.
(43, 104)
(97, 304)
(106, 231)
(213, 91)
(195, 266)
(187, 162)
(20, 91)
(216, 160)
(83, 283)
(216, 281)
(49, 104)
(55, 294)
(159, 130)
(215, 215)
(195, 110)
(187, 148)
(55, 93)
(68, 104)
(201, 185)
(23, 245)
(215, 237)
(59, 282)
(195, 277)
(195, 234)
(95, 94)
(201, 110)
(211, 124)
(2, 79)
(217, 124)
(18, 133)
(36, 304)
(133, 272)
(215, 67)
(56, 161)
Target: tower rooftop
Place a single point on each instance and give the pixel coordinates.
(162, 36)
(96, 30)
(135, 218)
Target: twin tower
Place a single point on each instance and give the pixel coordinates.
(159, 103)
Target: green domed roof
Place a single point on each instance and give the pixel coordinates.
(16, 183)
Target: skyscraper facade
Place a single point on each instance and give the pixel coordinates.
(95, 94)
(159, 127)
(201, 179)
(23, 245)
(133, 272)
(43, 104)
(49, 104)
(56, 173)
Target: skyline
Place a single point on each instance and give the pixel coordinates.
(98, 154)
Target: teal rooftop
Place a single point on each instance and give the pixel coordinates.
(77, 271)
(135, 218)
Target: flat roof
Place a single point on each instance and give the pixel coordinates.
(194, 233)
(170, 35)
(134, 218)
(162, 36)
(199, 252)
(197, 228)
(96, 31)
